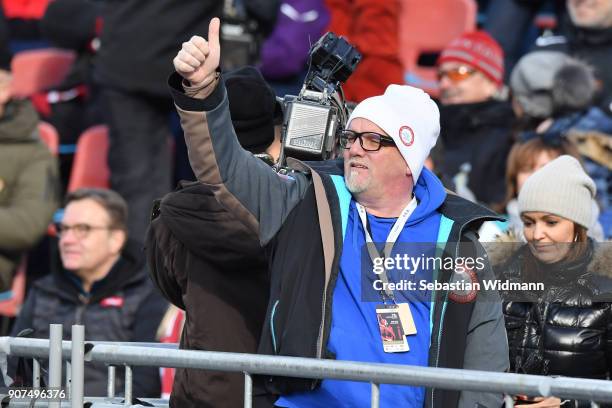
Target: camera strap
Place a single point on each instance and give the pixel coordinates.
(389, 242)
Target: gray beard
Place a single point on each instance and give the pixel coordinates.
(353, 186)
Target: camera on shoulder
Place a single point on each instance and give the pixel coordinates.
(312, 118)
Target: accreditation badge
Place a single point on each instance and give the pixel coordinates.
(406, 318)
(391, 330)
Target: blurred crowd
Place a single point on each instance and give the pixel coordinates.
(519, 83)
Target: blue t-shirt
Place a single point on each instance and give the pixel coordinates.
(354, 330)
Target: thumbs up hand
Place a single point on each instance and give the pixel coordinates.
(198, 59)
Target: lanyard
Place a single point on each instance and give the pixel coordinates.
(390, 241)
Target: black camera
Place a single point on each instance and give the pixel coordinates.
(311, 119)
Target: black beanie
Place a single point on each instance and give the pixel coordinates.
(71, 24)
(252, 104)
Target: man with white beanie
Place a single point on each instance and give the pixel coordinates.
(314, 223)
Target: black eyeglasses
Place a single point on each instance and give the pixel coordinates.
(369, 141)
(80, 230)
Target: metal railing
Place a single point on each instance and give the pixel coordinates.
(128, 355)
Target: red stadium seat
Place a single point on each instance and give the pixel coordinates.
(49, 136)
(89, 168)
(24, 9)
(545, 21)
(173, 323)
(426, 28)
(10, 307)
(37, 70)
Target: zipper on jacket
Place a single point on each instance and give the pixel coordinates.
(437, 352)
(322, 326)
(272, 327)
(321, 330)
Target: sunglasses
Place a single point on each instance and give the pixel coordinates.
(456, 74)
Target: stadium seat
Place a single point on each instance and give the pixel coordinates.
(10, 307)
(425, 29)
(49, 136)
(546, 21)
(90, 168)
(24, 9)
(172, 325)
(37, 70)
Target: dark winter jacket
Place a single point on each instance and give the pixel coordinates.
(28, 186)
(205, 261)
(479, 134)
(567, 329)
(124, 306)
(298, 218)
(593, 46)
(62, 30)
(141, 37)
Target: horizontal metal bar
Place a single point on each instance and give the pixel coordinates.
(171, 346)
(26, 347)
(454, 379)
(96, 402)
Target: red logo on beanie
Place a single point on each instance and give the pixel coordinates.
(406, 135)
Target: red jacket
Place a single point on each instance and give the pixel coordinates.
(373, 27)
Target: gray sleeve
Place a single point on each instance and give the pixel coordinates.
(486, 349)
(242, 183)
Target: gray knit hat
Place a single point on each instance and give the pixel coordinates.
(560, 187)
(532, 80)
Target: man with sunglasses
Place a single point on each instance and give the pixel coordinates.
(476, 124)
(314, 223)
(102, 283)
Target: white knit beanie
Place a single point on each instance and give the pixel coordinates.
(409, 116)
(560, 187)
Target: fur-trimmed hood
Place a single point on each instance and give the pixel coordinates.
(501, 251)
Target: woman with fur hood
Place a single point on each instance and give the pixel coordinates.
(566, 328)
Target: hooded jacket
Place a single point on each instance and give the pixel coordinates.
(124, 306)
(300, 219)
(479, 134)
(566, 329)
(28, 186)
(593, 46)
(206, 262)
